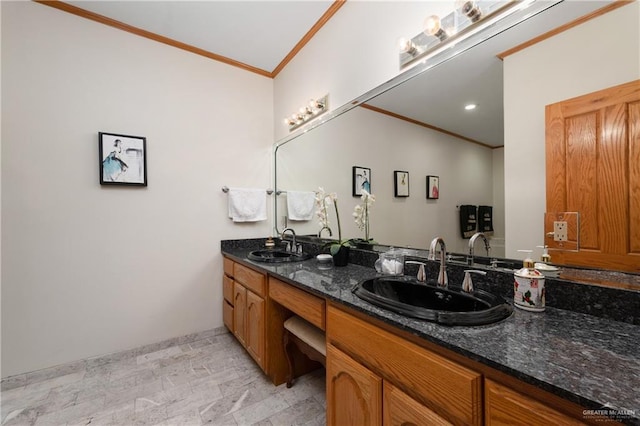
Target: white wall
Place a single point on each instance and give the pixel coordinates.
(88, 270)
(324, 158)
(497, 243)
(600, 53)
(355, 51)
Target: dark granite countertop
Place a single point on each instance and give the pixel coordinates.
(592, 361)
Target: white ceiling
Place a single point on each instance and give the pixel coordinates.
(259, 33)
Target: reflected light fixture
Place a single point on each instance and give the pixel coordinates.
(433, 27)
(470, 9)
(314, 108)
(468, 18)
(469, 107)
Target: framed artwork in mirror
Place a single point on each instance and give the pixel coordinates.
(400, 183)
(123, 159)
(361, 180)
(433, 187)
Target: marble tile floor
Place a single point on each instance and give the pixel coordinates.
(208, 379)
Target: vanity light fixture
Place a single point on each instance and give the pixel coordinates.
(433, 27)
(470, 9)
(314, 108)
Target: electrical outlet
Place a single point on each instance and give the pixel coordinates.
(560, 231)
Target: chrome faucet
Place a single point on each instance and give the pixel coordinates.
(472, 243)
(443, 281)
(322, 229)
(293, 247)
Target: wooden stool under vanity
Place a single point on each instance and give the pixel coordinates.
(309, 339)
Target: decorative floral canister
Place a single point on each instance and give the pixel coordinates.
(528, 289)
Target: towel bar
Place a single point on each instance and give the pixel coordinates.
(225, 189)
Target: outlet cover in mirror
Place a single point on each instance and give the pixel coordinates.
(562, 230)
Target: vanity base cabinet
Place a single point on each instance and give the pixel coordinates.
(244, 308)
(357, 396)
(446, 389)
(504, 406)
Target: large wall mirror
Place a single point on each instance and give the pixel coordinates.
(417, 123)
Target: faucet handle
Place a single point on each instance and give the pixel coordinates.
(467, 283)
(422, 275)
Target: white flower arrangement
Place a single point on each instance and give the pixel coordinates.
(361, 213)
(323, 201)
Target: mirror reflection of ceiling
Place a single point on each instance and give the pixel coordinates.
(438, 97)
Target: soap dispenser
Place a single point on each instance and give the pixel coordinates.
(528, 286)
(546, 257)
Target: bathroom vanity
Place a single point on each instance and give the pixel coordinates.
(556, 367)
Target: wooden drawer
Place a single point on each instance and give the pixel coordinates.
(504, 406)
(227, 315)
(400, 409)
(251, 279)
(449, 389)
(227, 266)
(307, 306)
(227, 289)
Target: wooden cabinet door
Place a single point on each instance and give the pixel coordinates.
(593, 168)
(401, 410)
(354, 394)
(504, 406)
(255, 326)
(239, 312)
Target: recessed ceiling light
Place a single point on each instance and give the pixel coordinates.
(469, 107)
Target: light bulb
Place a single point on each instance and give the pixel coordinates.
(469, 107)
(407, 46)
(316, 105)
(304, 111)
(432, 27)
(470, 9)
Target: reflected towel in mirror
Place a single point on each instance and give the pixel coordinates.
(485, 220)
(247, 205)
(468, 221)
(300, 205)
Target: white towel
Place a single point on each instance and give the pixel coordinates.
(247, 205)
(300, 204)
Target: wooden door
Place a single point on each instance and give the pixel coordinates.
(400, 409)
(507, 407)
(239, 312)
(354, 394)
(593, 167)
(255, 327)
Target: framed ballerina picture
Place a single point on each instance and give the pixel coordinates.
(433, 187)
(361, 180)
(123, 159)
(400, 184)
